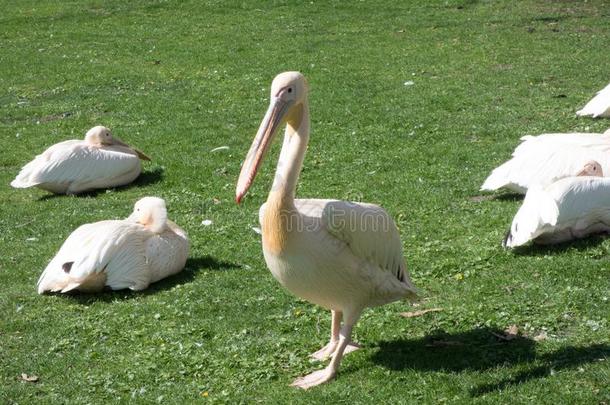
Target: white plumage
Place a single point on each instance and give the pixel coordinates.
(570, 208)
(345, 254)
(340, 255)
(542, 160)
(71, 167)
(117, 254)
(598, 106)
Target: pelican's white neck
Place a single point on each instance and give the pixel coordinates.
(291, 156)
(93, 139)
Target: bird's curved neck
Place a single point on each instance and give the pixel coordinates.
(280, 209)
(291, 158)
(92, 141)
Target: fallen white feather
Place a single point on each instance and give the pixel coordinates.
(206, 222)
(220, 148)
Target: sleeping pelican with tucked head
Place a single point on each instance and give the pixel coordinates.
(117, 254)
(570, 208)
(343, 256)
(544, 159)
(101, 160)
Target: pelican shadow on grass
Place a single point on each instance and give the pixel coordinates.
(479, 350)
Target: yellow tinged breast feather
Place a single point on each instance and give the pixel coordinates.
(275, 226)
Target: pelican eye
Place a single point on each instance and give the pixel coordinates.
(289, 89)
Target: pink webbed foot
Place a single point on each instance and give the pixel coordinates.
(327, 351)
(313, 379)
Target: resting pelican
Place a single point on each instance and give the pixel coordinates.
(599, 106)
(546, 158)
(570, 208)
(71, 167)
(340, 255)
(129, 253)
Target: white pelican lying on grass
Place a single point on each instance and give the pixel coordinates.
(542, 160)
(599, 106)
(340, 255)
(129, 253)
(570, 208)
(71, 167)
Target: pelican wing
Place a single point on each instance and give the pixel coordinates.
(76, 166)
(367, 229)
(582, 200)
(28, 173)
(598, 106)
(569, 208)
(167, 252)
(105, 253)
(583, 139)
(543, 163)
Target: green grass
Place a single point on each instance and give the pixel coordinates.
(179, 78)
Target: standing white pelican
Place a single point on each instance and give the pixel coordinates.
(570, 208)
(340, 255)
(71, 167)
(129, 253)
(598, 106)
(542, 160)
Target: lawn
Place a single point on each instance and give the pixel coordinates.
(412, 104)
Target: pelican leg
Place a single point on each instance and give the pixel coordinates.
(329, 349)
(330, 371)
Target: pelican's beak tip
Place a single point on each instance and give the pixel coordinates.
(142, 156)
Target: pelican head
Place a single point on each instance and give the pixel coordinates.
(150, 212)
(288, 93)
(101, 136)
(591, 168)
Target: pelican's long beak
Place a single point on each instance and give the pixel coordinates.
(266, 132)
(141, 155)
